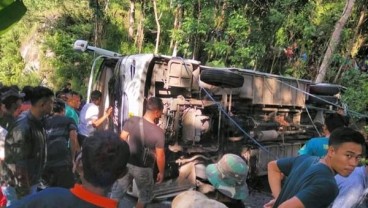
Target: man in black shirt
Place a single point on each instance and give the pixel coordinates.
(62, 145)
(141, 134)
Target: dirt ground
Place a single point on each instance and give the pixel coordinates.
(257, 199)
(259, 195)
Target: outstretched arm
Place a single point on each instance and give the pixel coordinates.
(96, 123)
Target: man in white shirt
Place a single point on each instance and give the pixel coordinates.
(351, 188)
(88, 118)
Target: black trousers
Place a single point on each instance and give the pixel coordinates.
(81, 139)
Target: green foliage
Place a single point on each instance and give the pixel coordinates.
(356, 94)
(10, 13)
(11, 62)
(244, 34)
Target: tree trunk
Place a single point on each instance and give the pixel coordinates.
(99, 23)
(140, 29)
(176, 21)
(354, 42)
(359, 38)
(196, 40)
(131, 20)
(177, 25)
(335, 39)
(107, 6)
(158, 26)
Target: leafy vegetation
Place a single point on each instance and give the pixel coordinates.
(244, 34)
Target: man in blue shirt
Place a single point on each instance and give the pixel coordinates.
(310, 180)
(318, 146)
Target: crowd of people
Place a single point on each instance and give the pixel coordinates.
(39, 144)
(53, 154)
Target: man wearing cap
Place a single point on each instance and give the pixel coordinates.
(229, 176)
(310, 180)
(102, 161)
(11, 100)
(25, 144)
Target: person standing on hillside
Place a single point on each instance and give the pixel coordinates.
(310, 180)
(89, 117)
(73, 102)
(11, 100)
(141, 134)
(25, 143)
(62, 145)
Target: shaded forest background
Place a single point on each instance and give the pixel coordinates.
(285, 37)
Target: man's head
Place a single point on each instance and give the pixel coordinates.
(96, 97)
(27, 90)
(59, 106)
(334, 121)
(104, 158)
(346, 148)
(42, 100)
(73, 99)
(154, 106)
(12, 100)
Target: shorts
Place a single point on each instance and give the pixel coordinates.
(144, 180)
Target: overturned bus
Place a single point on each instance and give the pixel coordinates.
(211, 111)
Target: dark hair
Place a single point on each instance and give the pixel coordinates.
(62, 95)
(104, 158)
(15, 87)
(71, 93)
(74, 93)
(27, 90)
(59, 105)
(334, 121)
(154, 103)
(95, 95)
(4, 89)
(9, 96)
(9, 101)
(345, 134)
(39, 93)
